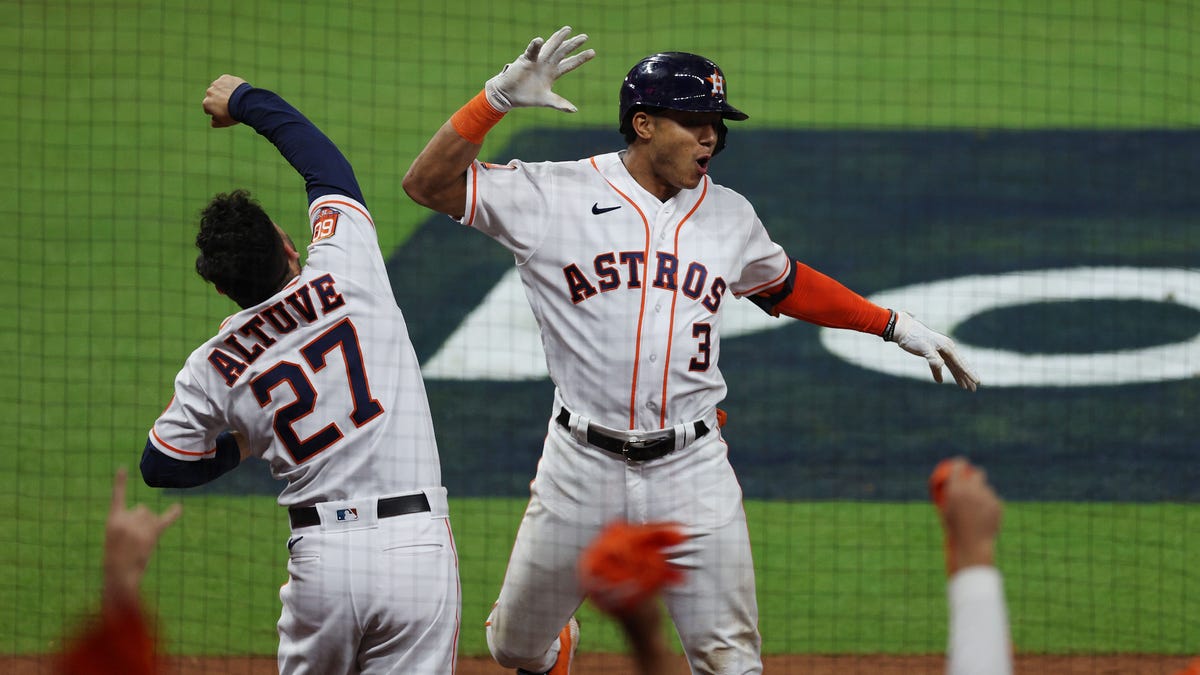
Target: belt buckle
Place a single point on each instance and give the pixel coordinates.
(638, 443)
(635, 445)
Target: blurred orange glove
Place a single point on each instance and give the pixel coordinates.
(1193, 668)
(628, 564)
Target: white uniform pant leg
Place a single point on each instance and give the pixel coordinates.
(415, 601)
(317, 629)
(715, 610)
(380, 600)
(540, 590)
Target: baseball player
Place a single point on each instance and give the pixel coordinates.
(316, 375)
(627, 259)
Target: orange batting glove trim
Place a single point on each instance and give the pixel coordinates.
(475, 119)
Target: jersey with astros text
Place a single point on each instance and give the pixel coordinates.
(321, 378)
(626, 289)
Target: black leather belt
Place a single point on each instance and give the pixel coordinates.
(637, 451)
(307, 516)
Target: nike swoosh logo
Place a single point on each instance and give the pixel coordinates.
(596, 210)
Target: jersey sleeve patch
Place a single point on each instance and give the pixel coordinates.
(324, 224)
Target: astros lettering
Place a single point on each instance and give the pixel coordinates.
(608, 267)
(279, 318)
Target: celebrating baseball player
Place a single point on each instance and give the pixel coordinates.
(316, 375)
(627, 259)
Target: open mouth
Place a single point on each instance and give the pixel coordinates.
(703, 163)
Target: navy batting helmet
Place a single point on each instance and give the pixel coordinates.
(676, 81)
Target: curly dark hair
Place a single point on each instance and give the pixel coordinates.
(241, 252)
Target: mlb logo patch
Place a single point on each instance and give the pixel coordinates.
(347, 514)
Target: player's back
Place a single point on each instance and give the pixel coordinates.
(321, 378)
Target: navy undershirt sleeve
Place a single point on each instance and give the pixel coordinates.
(161, 471)
(326, 171)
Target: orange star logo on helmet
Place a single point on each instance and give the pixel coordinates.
(718, 83)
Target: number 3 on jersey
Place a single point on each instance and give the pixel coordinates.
(366, 408)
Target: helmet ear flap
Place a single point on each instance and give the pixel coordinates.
(722, 132)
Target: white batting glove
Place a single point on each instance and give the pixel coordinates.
(526, 82)
(915, 337)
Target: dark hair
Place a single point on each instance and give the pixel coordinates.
(241, 252)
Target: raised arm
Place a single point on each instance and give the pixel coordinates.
(437, 177)
(970, 513)
(230, 99)
(121, 639)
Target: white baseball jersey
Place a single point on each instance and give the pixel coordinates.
(626, 289)
(321, 378)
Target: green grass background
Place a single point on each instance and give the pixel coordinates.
(110, 158)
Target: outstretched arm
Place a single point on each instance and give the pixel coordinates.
(811, 296)
(230, 99)
(437, 177)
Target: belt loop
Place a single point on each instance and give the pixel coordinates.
(684, 435)
(579, 428)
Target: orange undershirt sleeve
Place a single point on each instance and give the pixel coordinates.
(822, 300)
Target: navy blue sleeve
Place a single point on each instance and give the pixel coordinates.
(310, 152)
(161, 471)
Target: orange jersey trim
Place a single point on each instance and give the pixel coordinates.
(324, 202)
(474, 194)
(787, 268)
(637, 349)
(160, 442)
(662, 407)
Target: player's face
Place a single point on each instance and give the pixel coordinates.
(681, 145)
